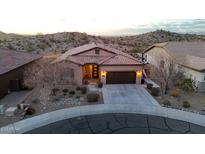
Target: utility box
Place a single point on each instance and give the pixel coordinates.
(11, 111)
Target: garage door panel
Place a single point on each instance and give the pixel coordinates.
(121, 78)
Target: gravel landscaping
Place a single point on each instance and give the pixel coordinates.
(71, 97)
(195, 100)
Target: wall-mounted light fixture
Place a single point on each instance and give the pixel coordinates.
(103, 73)
(139, 73)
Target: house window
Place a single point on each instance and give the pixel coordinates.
(97, 51)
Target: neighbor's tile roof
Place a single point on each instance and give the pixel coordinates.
(119, 57)
(10, 60)
(180, 51)
(194, 62)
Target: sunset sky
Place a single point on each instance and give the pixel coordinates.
(100, 17)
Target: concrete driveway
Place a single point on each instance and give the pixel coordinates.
(127, 94)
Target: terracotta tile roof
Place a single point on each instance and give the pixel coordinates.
(120, 60)
(10, 60)
(180, 50)
(197, 63)
(86, 59)
(119, 57)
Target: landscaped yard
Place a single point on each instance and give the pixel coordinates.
(58, 98)
(196, 101)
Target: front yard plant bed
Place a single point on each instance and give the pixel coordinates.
(192, 102)
(179, 99)
(59, 98)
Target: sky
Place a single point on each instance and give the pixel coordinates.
(114, 17)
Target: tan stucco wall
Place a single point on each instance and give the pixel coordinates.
(77, 72)
(194, 75)
(198, 77)
(120, 68)
(101, 53)
(156, 54)
(78, 76)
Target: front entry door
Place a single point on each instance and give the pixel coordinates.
(95, 71)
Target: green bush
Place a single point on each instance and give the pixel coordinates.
(155, 92)
(55, 99)
(77, 88)
(35, 101)
(135, 50)
(166, 103)
(100, 84)
(30, 111)
(83, 90)
(54, 91)
(93, 97)
(188, 85)
(186, 104)
(65, 90)
(149, 86)
(72, 92)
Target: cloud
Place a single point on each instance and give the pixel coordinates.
(196, 26)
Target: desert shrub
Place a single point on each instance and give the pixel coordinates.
(30, 48)
(65, 90)
(175, 93)
(35, 101)
(83, 90)
(42, 45)
(186, 104)
(93, 97)
(155, 91)
(72, 92)
(135, 50)
(166, 103)
(149, 86)
(100, 84)
(54, 91)
(30, 111)
(55, 99)
(188, 85)
(77, 88)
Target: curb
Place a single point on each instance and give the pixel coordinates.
(58, 115)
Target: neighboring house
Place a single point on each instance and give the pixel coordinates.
(189, 57)
(98, 62)
(12, 65)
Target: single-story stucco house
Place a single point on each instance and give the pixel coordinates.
(189, 57)
(12, 66)
(98, 62)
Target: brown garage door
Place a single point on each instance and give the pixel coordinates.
(120, 78)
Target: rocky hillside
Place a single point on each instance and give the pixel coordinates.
(60, 42)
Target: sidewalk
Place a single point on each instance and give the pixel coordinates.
(14, 98)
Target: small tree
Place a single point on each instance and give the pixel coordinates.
(163, 74)
(44, 76)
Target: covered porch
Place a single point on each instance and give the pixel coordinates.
(91, 73)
